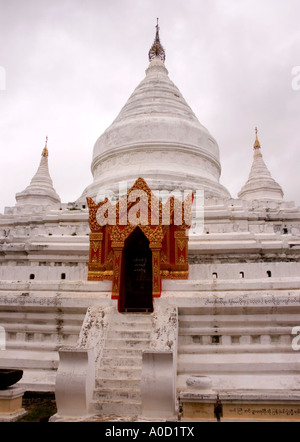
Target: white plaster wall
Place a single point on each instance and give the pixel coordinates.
(50, 272)
(47, 271)
(251, 270)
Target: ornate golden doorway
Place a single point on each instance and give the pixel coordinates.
(117, 245)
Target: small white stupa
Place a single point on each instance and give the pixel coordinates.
(40, 191)
(260, 184)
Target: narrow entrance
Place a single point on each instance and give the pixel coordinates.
(136, 280)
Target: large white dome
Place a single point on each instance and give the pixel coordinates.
(157, 137)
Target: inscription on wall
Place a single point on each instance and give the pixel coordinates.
(267, 412)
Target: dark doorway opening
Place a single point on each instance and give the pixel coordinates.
(136, 279)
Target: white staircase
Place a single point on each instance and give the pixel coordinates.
(118, 378)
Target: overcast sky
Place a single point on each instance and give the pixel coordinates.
(71, 65)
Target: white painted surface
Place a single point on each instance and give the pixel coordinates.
(75, 382)
(260, 184)
(158, 137)
(40, 192)
(158, 385)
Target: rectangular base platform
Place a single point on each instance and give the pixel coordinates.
(240, 406)
(11, 404)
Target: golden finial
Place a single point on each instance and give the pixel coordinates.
(257, 143)
(45, 152)
(156, 49)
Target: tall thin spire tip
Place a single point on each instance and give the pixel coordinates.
(156, 49)
(45, 152)
(256, 143)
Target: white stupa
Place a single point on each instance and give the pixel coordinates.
(157, 136)
(260, 184)
(40, 191)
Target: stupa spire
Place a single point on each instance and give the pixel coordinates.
(157, 49)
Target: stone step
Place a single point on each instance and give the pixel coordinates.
(41, 380)
(117, 408)
(236, 320)
(35, 341)
(234, 348)
(41, 328)
(119, 373)
(118, 383)
(38, 345)
(129, 361)
(45, 317)
(22, 359)
(127, 326)
(127, 334)
(241, 330)
(117, 394)
(130, 318)
(281, 363)
(128, 343)
(120, 352)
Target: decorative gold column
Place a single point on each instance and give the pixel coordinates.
(95, 256)
(180, 270)
(156, 284)
(117, 266)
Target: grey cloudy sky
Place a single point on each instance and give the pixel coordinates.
(71, 65)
